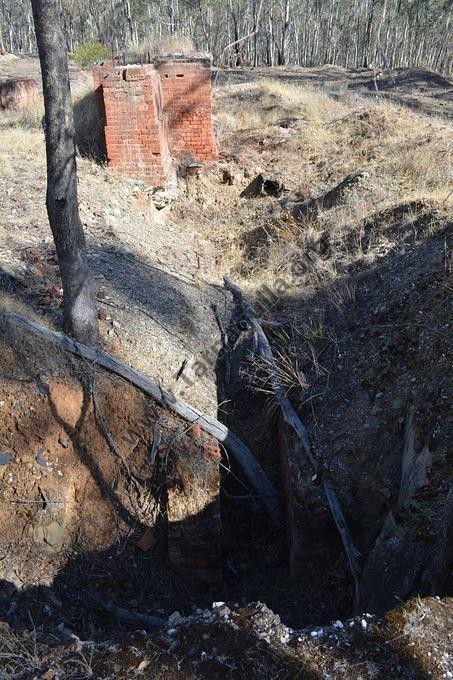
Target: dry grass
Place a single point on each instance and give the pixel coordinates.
(259, 105)
(21, 131)
(406, 157)
(27, 118)
(411, 152)
(423, 631)
(21, 136)
(20, 654)
(19, 140)
(11, 303)
(296, 351)
(171, 44)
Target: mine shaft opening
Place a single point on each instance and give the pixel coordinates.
(297, 568)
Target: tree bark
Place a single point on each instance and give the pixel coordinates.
(367, 36)
(80, 315)
(2, 46)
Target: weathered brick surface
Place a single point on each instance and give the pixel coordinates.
(18, 93)
(135, 130)
(151, 111)
(186, 85)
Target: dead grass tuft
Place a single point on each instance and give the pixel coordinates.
(20, 654)
(10, 303)
(297, 352)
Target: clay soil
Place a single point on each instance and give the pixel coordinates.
(66, 494)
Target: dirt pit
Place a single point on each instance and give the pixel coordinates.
(98, 486)
(85, 528)
(75, 516)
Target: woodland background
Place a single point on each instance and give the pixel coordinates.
(349, 33)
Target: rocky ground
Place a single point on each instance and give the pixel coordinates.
(230, 642)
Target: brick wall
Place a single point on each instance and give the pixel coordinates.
(186, 86)
(135, 129)
(18, 93)
(153, 110)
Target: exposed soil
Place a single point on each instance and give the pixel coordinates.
(86, 522)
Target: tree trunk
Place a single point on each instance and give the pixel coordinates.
(128, 15)
(2, 47)
(285, 28)
(80, 315)
(367, 36)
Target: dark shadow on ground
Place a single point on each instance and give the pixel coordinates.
(170, 299)
(174, 302)
(83, 603)
(95, 594)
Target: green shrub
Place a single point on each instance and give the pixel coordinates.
(87, 55)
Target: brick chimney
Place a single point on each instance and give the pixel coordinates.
(154, 111)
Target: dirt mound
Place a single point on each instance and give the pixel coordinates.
(224, 641)
(407, 80)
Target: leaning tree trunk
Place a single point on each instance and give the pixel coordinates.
(80, 315)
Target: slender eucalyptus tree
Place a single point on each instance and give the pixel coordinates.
(80, 315)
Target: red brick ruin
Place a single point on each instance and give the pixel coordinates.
(154, 112)
(18, 93)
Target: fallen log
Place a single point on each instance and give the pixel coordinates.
(263, 348)
(250, 467)
(134, 618)
(313, 206)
